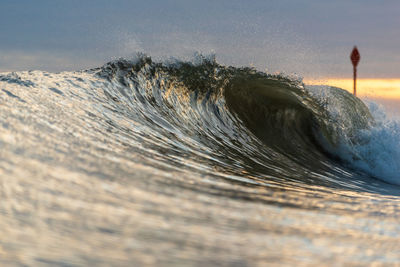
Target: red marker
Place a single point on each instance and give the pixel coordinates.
(355, 58)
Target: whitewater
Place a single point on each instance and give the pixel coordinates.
(193, 163)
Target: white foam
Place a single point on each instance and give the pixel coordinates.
(378, 151)
(374, 150)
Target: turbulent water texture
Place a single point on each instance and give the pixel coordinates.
(192, 163)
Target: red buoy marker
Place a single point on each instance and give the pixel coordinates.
(355, 58)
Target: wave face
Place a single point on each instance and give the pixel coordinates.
(187, 162)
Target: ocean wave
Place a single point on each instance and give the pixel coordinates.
(219, 120)
(190, 162)
(269, 125)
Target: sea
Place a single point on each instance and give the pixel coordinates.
(194, 163)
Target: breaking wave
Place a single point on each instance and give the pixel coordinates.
(205, 117)
(239, 119)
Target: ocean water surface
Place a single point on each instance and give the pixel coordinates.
(193, 163)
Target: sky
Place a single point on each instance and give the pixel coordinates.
(312, 39)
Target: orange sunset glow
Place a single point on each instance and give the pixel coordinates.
(374, 88)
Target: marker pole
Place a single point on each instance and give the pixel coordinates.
(355, 58)
(355, 80)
